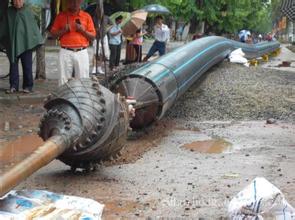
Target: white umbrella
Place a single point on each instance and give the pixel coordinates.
(155, 8)
(244, 33)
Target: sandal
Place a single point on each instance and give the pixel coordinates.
(11, 91)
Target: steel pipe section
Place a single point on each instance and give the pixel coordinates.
(158, 84)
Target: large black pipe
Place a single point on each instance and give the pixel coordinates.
(158, 84)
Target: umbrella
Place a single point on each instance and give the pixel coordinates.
(288, 9)
(244, 33)
(135, 22)
(155, 8)
(126, 17)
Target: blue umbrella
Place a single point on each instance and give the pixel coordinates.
(155, 8)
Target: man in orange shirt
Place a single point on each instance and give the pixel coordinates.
(75, 29)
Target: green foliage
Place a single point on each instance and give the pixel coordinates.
(229, 16)
(184, 9)
(220, 16)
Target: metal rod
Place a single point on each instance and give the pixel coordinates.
(51, 149)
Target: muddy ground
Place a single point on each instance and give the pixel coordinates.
(189, 165)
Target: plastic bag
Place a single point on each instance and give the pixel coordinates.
(260, 200)
(237, 56)
(44, 205)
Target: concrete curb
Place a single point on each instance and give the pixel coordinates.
(23, 99)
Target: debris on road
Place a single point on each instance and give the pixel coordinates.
(260, 200)
(231, 175)
(271, 121)
(285, 64)
(37, 204)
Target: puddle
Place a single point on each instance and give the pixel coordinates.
(17, 150)
(215, 146)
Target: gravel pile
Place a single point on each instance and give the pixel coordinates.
(234, 92)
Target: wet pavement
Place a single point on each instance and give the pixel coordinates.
(164, 179)
(15, 151)
(284, 61)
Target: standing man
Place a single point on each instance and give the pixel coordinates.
(115, 42)
(19, 35)
(162, 35)
(75, 29)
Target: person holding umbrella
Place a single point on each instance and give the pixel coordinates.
(162, 35)
(134, 37)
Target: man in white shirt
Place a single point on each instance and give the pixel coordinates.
(162, 35)
(115, 42)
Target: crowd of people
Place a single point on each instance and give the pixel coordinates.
(75, 30)
(245, 36)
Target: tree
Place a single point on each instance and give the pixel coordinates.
(229, 16)
(219, 16)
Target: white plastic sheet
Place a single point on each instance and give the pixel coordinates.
(44, 205)
(260, 200)
(237, 56)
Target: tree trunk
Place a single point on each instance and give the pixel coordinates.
(40, 66)
(40, 53)
(198, 27)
